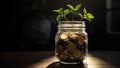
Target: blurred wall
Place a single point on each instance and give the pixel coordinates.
(25, 18)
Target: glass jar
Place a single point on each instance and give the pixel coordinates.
(71, 42)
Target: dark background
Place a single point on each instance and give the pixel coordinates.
(24, 18)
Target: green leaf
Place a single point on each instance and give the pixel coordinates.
(75, 11)
(80, 14)
(67, 11)
(85, 16)
(89, 15)
(84, 11)
(59, 11)
(88, 19)
(58, 18)
(72, 11)
(77, 7)
(71, 7)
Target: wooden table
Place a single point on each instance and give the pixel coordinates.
(46, 59)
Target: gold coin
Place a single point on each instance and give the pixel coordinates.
(64, 36)
(64, 55)
(82, 57)
(77, 53)
(80, 40)
(59, 48)
(71, 47)
(73, 36)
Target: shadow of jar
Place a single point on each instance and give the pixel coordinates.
(60, 65)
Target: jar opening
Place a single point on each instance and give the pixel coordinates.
(71, 24)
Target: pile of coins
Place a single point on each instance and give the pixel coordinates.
(71, 47)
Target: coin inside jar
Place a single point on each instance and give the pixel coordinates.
(80, 40)
(77, 53)
(73, 36)
(82, 57)
(64, 36)
(71, 47)
(64, 55)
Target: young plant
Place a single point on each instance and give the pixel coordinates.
(84, 15)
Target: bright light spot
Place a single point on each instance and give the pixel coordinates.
(44, 63)
(92, 62)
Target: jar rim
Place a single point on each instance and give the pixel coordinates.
(72, 22)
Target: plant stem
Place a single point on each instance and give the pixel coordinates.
(73, 16)
(65, 18)
(82, 18)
